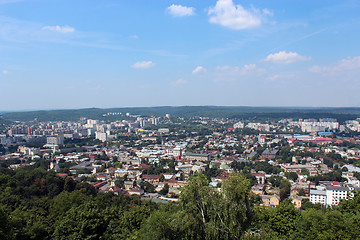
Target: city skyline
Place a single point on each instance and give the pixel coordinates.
(66, 54)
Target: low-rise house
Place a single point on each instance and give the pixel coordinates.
(98, 184)
(120, 173)
(102, 176)
(270, 200)
(298, 167)
(188, 167)
(297, 201)
(174, 183)
(251, 155)
(258, 190)
(116, 190)
(128, 185)
(260, 177)
(136, 191)
(153, 179)
(269, 154)
(196, 156)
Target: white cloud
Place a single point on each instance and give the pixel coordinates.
(180, 11)
(252, 70)
(59, 29)
(284, 57)
(19, 31)
(345, 65)
(229, 73)
(143, 65)
(248, 67)
(5, 72)
(199, 69)
(267, 12)
(178, 82)
(273, 78)
(134, 36)
(227, 14)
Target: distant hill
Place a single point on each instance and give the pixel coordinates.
(3, 124)
(245, 113)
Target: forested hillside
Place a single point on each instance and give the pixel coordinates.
(260, 113)
(37, 204)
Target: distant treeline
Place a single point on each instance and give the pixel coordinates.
(3, 124)
(242, 113)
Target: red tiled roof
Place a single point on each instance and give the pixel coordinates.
(172, 180)
(323, 139)
(144, 166)
(61, 174)
(98, 184)
(150, 176)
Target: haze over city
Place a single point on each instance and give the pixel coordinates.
(79, 54)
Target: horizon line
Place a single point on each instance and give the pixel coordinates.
(174, 106)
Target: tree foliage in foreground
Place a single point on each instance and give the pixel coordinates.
(204, 213)
(37, 204)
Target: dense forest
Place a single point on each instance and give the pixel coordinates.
(38, 204)
(246, 113)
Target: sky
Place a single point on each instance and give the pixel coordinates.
(66, 54)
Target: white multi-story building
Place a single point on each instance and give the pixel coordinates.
(335, 193)
(353, 125)
(318, 126)
(177, 151)
(331, 195)
(353, 181)
(239, 125)
(102, 136)
(2, 138)
(318, 196)
(55, 140)
(259, 126)
(91, 121)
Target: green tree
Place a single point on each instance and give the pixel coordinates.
(285, 188)
(148, 187)
(30, 223)
(301, 192)
(275, 180)
(6, 231)
(83, 222)
(279, 222)
(69, 184)
(315, 224)
(305, 172)
(64, 201)
(232, 214)
(165, 189)
(219, 215)
(169, 222)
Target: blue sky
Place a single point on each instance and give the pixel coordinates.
(87, 53)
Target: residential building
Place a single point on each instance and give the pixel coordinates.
(331, 195)
(318, 196)
(270, 200)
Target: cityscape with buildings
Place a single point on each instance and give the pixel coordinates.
(179, 120)
(153, 157)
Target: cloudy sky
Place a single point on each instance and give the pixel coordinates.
(58, 54)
